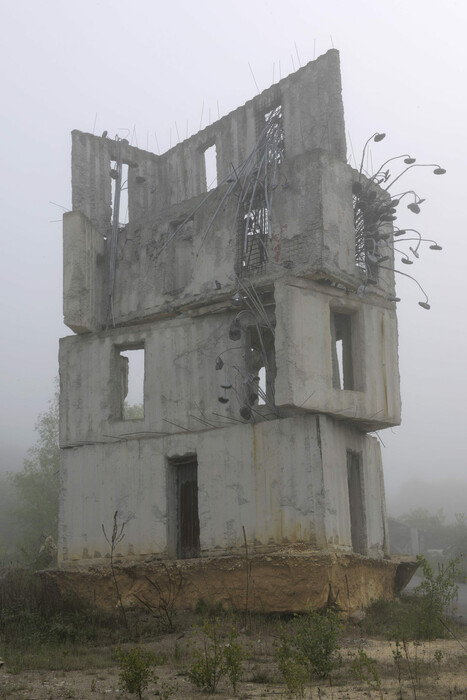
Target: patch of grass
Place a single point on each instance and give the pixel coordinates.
(410, 617)
(41, 629)
(70, 658)
(261, 675)
(6, 692)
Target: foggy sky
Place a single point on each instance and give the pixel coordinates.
(150, 69)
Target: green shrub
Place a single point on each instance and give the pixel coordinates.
(218, 657)
(136, 669)
(234, 656)
(291, 667)
(308, 648)
(208, 664)
(317, 640)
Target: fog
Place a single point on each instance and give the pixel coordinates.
(155, 73)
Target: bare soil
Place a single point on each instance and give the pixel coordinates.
(434, 670)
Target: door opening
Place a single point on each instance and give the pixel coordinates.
(356, 502)
(184, 478)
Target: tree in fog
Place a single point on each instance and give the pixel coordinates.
(8, 504)
(37, 486)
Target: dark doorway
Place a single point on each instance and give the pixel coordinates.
(356, 503)
(186, 507)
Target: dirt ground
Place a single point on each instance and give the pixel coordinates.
(435, 670)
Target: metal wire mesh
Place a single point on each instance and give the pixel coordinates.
(255, 213)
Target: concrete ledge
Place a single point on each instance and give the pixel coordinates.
(285, 581)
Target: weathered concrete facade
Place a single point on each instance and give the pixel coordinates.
(264, 370)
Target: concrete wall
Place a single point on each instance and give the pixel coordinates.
(312, 234)
(84, 274)
(182, 386)
(284, 481)
(300, 469)
(304, 354)
(313, 118)
(311, 213)
(336, 438)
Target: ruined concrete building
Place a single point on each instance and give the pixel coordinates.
(264, 370)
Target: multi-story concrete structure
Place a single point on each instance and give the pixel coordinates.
(264, 370)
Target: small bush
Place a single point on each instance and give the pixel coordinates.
(136, 669)
(292, 669)
(364, 669)
(218, 657)
(308, 648)
(234, 656)
(261, 675)
(208, 666)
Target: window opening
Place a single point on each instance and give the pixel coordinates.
(119, 192)
(131, 365)
(183, 504)
(356, 502)
(210, 165)
(261, 366)
(342, 360)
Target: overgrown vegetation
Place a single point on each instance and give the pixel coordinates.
(437, 593)
(423, 615)
(210, 652)
(29, 498)
(308, 648)
(41, 628)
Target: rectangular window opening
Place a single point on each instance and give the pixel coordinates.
(210, 164)
(356, 502)
(261, 366)
(131, 365)
(275, 135)
(119, 180)
(342, 358)
(184, 532)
